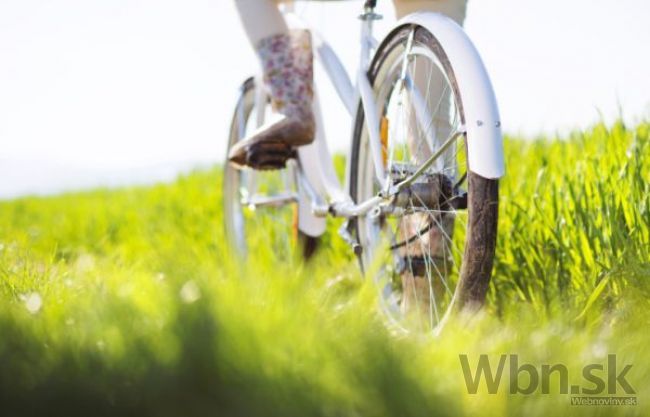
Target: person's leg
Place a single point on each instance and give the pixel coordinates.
(287, 64)
(260, 19)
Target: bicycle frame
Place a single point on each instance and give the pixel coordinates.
(319, 191)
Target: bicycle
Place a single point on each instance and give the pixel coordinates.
(421, 195)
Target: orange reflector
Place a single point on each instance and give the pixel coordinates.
(383, 135)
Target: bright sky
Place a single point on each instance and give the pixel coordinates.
(97, 92)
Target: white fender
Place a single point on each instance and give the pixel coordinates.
(484, 136)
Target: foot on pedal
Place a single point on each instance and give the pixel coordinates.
(269, 155)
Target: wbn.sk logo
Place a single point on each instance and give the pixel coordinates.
(599, 380)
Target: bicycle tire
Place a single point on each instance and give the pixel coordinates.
(482, 193)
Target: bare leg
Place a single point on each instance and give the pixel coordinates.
(287, 65)
(452, 8)
(261, 19)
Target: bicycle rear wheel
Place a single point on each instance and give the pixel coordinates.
(432, 252)
(260, 207)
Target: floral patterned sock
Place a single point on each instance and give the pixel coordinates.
(287, 63)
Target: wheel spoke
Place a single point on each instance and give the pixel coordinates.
(425, 242)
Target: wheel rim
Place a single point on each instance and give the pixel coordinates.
(426, 243)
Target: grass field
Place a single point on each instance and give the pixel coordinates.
(128, 302)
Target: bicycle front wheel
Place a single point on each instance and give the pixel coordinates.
(433, 250)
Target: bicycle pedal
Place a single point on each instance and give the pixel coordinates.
(418, 267)
(459, 202)
(269, 155)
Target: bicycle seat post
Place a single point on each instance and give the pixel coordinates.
(369, 11)
(367, 17)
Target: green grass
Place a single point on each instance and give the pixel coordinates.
(128, 302)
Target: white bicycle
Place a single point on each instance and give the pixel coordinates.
(421, 193)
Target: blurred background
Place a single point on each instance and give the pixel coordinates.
(104, 93)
